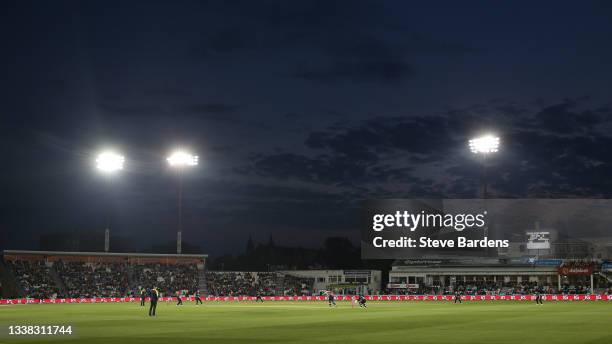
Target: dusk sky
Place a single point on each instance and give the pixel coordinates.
(298, 111)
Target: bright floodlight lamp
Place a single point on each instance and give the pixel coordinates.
(484, 144)
(180, 159)
(109, 162)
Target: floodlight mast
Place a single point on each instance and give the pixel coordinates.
(181, 160)
(109, 163)
(483, 146)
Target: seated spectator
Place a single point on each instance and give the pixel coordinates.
(35, 279)
(167, 278)
(93, 279)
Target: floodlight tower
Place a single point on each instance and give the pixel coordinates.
(109, 163)
(181, 160)
(483, 146)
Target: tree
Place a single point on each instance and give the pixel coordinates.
(249, 245)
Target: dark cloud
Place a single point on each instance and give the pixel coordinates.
(166, 92)
(387, 150)
(321, 169)
(212, 108)
(564, 119)
(131, 110)
(377, 70)
(322, 41)
(219, 112)
(543, 164)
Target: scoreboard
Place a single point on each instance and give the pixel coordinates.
(538, 240)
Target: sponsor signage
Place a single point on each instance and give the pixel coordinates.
(552, 297)
(402, 286)
(576, 270)
(357, 273)
(549, 262)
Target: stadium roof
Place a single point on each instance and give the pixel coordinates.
(107, 254)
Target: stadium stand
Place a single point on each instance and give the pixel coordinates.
(34, 278)
(8, 282)
(82, 274)
(495, 276)
(294, 285)
(254, 283)
(235, 283)
(93, 279)
(167, 278)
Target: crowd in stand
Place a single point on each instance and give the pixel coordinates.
(93, 279)
(101, 279)
(257, 283)
(35, 279)
(483, 288)
(233, 283)
(265, 283)
(296, 286)
(169, 279)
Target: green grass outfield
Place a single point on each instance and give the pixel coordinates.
(473, 322)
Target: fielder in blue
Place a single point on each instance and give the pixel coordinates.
(154, 297)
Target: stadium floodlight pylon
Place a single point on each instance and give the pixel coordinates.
(109, 162)
(180, 160)
(483, 146)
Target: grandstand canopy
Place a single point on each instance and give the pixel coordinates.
(132, 258)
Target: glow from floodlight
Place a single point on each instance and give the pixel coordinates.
(109, 161)
(484, 144)
(181, 158)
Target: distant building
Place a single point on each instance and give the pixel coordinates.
(342, 281)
